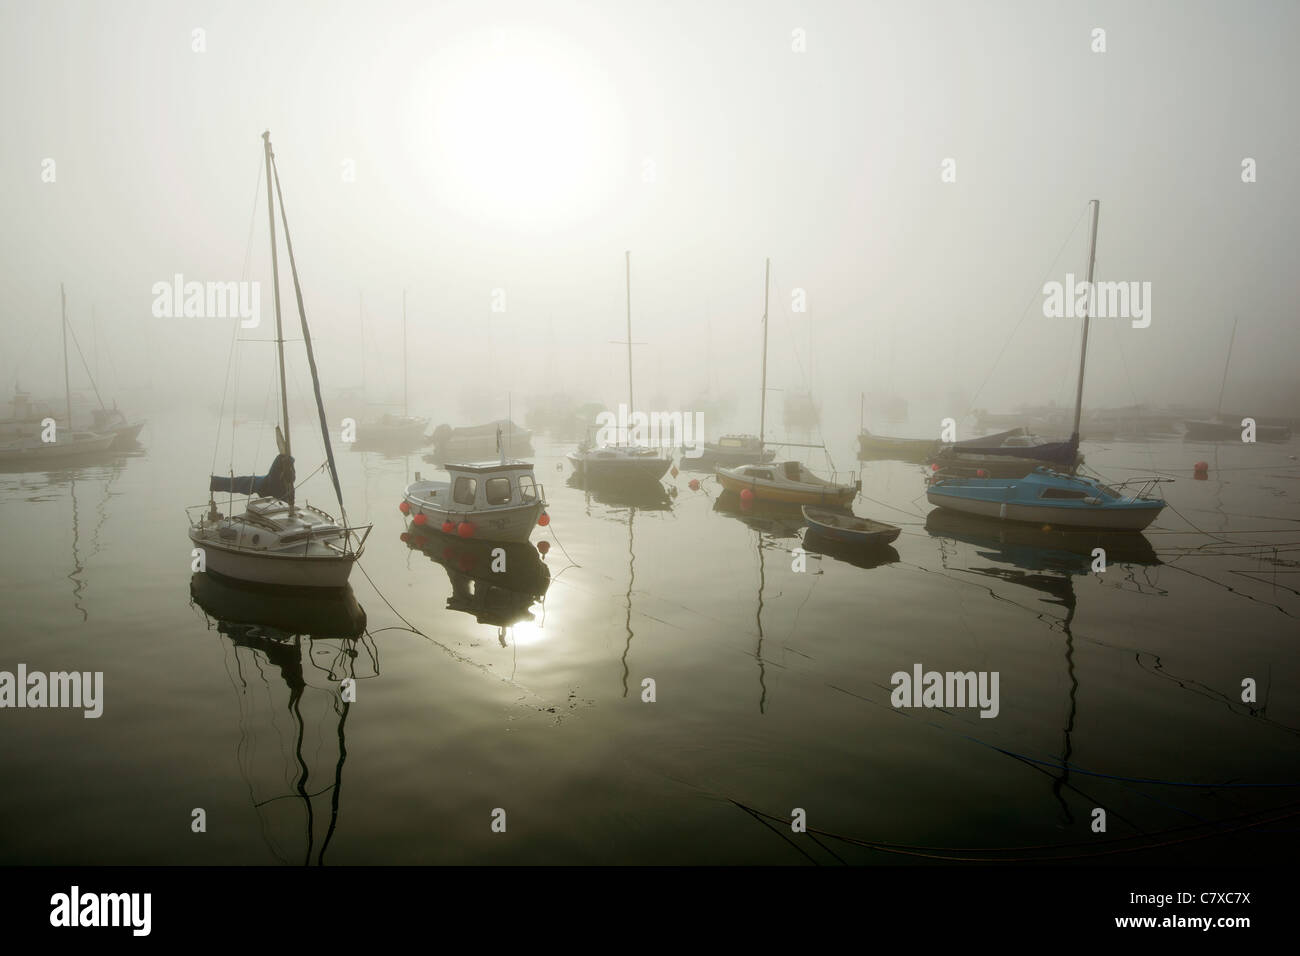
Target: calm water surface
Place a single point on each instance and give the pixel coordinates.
(773, 685)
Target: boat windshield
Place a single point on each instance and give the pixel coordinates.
(527, 489)
(497, 491)
(466, 489)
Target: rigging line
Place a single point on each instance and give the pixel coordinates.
(231, 365)
(1024, 314)
(85, 364)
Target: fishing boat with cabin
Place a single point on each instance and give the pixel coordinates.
(488, 501)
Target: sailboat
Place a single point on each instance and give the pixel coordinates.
(276, 541)
(625, 461)
(1050, 497)
(1218, 429)
(32, 449)
(788, 482)
(393, 431)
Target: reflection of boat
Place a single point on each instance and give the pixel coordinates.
(311, 611)
(816, 542)
(648, 496)
(1033, 548)
(493, 501)
(268, 626)
(496, 583)
(883, 448)
(275, 541)
(849, 528)
(786, 481)
(1046, 496)
(773, 519)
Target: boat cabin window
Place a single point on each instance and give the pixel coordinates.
(1063, 493)
(497, 491)
(761, 473)
(527, 490)
(465, 491)
(792, 470)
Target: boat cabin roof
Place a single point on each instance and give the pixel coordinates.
(484, 467)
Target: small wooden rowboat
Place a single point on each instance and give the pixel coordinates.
(849, 528)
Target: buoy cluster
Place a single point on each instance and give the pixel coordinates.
(465, 529)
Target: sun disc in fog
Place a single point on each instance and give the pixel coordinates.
(518, 130)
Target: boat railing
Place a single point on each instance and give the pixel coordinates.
(1145, 483)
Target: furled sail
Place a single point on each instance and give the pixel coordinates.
(276, 483)
(1063, 453)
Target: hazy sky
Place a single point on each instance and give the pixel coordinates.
(524, 146)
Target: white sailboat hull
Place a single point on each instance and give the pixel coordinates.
(281, 569)
(646, 467)
(269, 544)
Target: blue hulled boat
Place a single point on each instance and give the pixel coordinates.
(1055, 496)
(1046, 497)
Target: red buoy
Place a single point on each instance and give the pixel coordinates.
(420, 519)
(1201, 470)
(543, 519)
(465, 529)
(935, 466)
(404, 507)
(981, 473)
(448, 527)
(747, 495)
(694, 484)
(543, 546)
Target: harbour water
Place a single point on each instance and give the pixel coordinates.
(1119, 689)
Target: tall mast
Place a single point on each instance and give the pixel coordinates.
(275, 285)
(762, 406)
(361, 321)
(630, 404)
(404, 413)
(1219, 411)
(1087, 315)
(67, 388)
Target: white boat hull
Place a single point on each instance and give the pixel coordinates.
(648, 467)
(514, 524)
(280, 569)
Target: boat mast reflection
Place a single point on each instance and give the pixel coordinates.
(1045, 561)
(270, 627)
